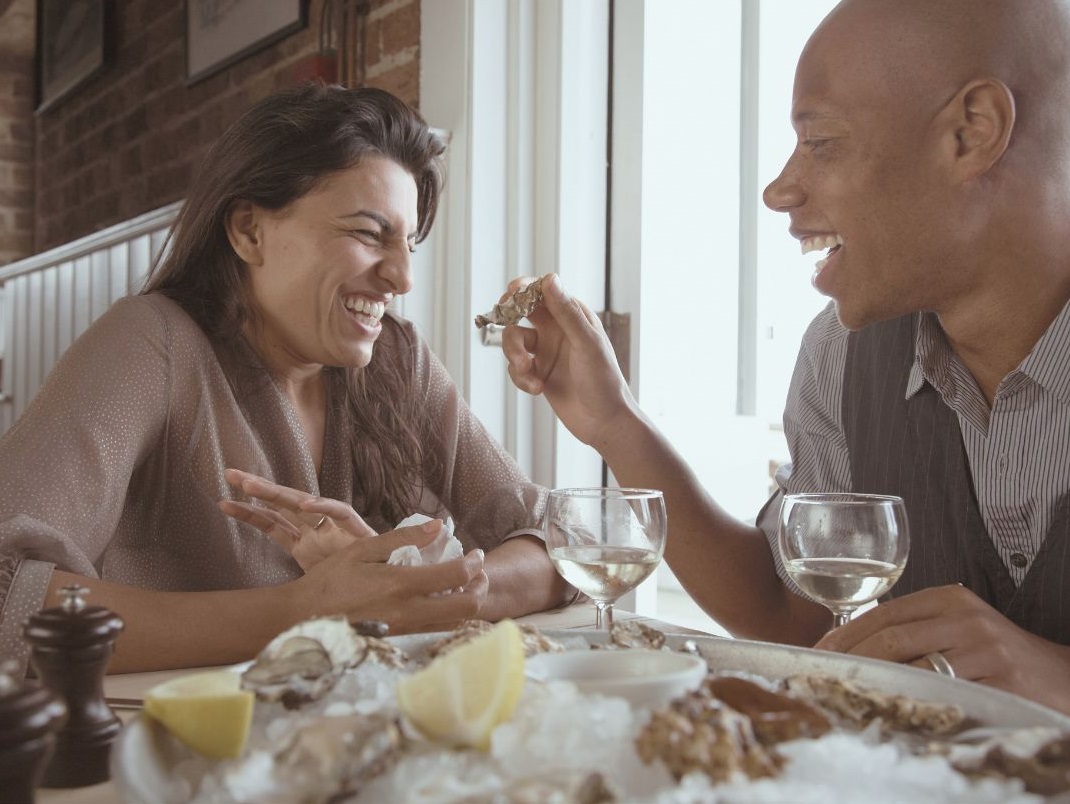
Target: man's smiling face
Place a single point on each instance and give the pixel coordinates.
(863, 186)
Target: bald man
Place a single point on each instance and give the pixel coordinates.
(933, 168)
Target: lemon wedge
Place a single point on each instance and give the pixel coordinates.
(207, 711)
(461, 696)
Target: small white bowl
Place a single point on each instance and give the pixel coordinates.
(646, 678)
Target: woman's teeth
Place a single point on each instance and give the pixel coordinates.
(356, 304)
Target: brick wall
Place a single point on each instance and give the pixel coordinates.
(127, 141)
(16, 130)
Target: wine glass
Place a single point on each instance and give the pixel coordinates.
(843, 550)
(605, 541)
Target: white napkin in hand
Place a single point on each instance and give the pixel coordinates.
(445, 547)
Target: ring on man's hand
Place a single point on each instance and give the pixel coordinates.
(323, 518)
(940, 664)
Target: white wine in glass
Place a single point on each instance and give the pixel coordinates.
(605, 541)
(843, 550)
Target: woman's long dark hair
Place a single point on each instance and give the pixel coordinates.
(277, 152)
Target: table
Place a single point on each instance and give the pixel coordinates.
(132, 686)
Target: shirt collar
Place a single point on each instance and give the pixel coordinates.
(1048, 364)
(930, 352)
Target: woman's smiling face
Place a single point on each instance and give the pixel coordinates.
(324, 269)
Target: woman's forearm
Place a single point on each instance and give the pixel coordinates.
(186, 629)
(522, 580)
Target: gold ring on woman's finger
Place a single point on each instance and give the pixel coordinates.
(319, 522)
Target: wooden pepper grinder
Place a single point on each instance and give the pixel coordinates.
(71, 646)
(30, 715)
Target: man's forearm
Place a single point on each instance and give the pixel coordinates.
(724, 564)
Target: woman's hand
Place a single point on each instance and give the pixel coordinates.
(357, 581)
(566, 356)
(979, 642)
(309, 528)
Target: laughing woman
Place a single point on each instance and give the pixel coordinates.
(261, 343)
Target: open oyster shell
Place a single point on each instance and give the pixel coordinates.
(699, 732)
(633, 634)
(775, 717)
(520, 303)
(304, 662)
(858, 705)
(533, 639)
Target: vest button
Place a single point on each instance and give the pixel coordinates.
(1019, 560)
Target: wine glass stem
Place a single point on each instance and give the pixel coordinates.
(840, 618)
(603, 615)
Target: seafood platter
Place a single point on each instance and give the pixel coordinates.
(335, 720)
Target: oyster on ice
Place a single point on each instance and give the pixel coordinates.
(859, 706)
(387, 654)
(729, 725)
(575, 787)
(634, 634)
(533, 639)
(1039, 756)
(775, 717)
(303, 663)
(336, 755)
(521, 303)
(699, 732)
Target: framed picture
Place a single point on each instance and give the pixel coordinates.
(222, 32)
(71, 46)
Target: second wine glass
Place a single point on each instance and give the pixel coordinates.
(843, 550)
(605, 541)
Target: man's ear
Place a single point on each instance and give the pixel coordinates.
(245, 233)
(978, 122)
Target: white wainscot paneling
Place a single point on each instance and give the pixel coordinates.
(48, 300)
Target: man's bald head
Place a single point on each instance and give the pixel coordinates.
(919, 53)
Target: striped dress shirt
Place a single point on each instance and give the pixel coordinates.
(1017, 454)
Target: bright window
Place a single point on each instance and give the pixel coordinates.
(719, 290)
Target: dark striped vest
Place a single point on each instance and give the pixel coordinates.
(913, 448)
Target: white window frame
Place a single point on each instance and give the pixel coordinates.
(520, 85)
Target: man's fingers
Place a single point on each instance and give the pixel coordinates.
(526, 382)
(518, 344)
(573, 316)
(949, 620)
(519, 283)
(928, 604)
